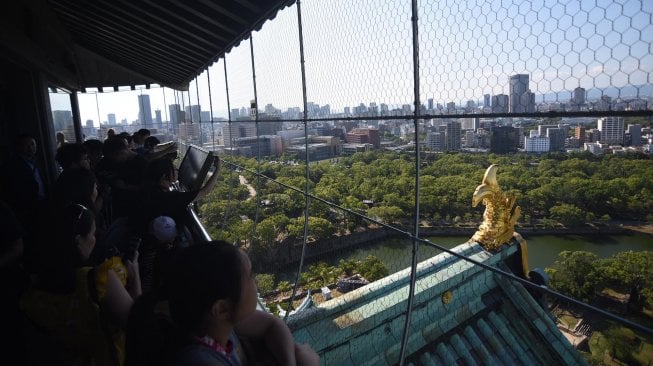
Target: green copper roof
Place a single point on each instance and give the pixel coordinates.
(461, 314)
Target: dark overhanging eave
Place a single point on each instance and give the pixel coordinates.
(167, 42)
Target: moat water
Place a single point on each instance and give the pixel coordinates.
(542, 250)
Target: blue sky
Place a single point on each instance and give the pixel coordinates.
(362, 52)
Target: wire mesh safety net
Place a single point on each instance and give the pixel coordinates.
(496, 77)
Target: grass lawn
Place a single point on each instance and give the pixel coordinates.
(630, 348)
(569, 321)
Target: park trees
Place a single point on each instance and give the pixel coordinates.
(575, 274)
(583, 275)
(568, 215)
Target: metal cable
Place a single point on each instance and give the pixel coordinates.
(460, 256)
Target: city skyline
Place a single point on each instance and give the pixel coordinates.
(358, 54)
(60, 102)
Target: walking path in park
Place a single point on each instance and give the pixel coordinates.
(252, 191)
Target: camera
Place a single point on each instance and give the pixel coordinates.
(133, 243)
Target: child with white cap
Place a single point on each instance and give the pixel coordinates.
(157, 250)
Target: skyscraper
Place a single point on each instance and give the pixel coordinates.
(63, 120)
(453, 136)
(194, 111)
(144, 110)
(175, 116)
(111, 119)
(486, 100)
(159, 121)
(579, 96)
(500, 103)
(521, 98)
(556, 138)
(612, 130)
(635, 132)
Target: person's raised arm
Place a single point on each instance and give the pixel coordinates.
(273, 332)
(208, 187)
(278, 339)
(119, 299)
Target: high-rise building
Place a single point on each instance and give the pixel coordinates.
(233, 130)
(541, 129)
(557, 138)
(500, 103)
(468, 123)
(144, 111)
(176, 116)
(521, 98)
(453, 136)
(579, 133)
(486, 101)
(430, 104)
(189, 132)
(592, 135)
(579, 96)
(537, 144)
(635, 132)
(111, 119)
(194, 112)
(469, 139)
(62, 120)
(504, 139)
(435, 141)
(384, 109)
(364, 136)
(269, 145)
(157, 118)
(604, 104)
(612, 130)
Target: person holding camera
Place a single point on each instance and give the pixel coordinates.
(158, 198)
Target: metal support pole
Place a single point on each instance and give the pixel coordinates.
(231, 145)
(77, 120)
(258, 139)
(306, 157)
(413, 264)
(199, 114)
(208, 82)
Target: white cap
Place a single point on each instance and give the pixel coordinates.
(164, 229)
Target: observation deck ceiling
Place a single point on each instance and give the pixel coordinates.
(111, 43)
